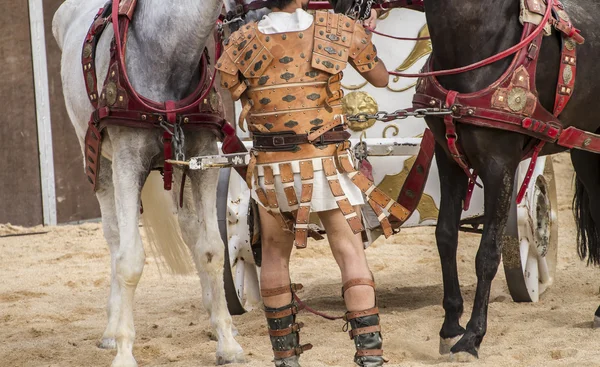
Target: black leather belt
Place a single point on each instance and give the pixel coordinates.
(288, 141)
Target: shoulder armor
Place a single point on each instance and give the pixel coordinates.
(363, 53)
(248, 53)
(333, 38)
(230, 78)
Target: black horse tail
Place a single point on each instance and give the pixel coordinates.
(588, 233)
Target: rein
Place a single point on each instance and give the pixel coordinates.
(490, 60)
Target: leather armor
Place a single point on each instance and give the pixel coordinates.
(291, 82)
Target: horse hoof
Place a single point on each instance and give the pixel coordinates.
(234, 355)
(596, 322)
(107, 343)
(448, 343)
(124, 361)
(238, 358)
(462, 357)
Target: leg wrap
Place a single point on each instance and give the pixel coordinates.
(365, 331)
(283, 329)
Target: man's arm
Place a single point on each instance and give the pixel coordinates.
(378, 76)
(363, 57)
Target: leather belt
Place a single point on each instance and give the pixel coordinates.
(285, 141)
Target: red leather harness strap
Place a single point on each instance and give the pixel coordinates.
(511, 102)
(119, 104)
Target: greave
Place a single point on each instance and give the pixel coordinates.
(284, 333)
(366, 334)
(365, 331)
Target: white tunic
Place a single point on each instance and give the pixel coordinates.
(323, 199)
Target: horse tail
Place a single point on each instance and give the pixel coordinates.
(588, 233)
(162, 230)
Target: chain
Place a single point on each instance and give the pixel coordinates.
(399, 114)
(176, 131)
(355, 12)
(367, 13)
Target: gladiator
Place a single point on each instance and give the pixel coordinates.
(286, 69)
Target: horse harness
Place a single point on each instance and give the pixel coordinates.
(119, 104)
(511, 103)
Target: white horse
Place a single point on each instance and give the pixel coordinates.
(165, 45)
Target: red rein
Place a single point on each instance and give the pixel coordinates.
(490, 60)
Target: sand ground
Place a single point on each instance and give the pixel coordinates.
(54, 286)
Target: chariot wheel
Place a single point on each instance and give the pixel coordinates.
(531, 239)
(240, 274)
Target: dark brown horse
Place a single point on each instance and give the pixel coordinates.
(467, 31)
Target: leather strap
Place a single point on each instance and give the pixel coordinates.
(383, 220)
(244, 114)
(372, 192)
(356, 314)
(566, 75)
(286, 289)
(287, 331)
(369, 352)
(93, 147)
(356, 282)
(303, 215)
(293, 310)
(285, 142)
(325, 128)
(342, 201)
(287, 179)
(269, 180)
(412, 190)
(292, 352)
(364, 330)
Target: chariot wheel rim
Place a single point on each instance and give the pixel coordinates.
(531, 242)
(241, 275)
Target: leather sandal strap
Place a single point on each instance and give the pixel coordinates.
(293, 310)
(358, 281)
(369, 353)
(287, 331)
(292, 352)
(364, 330)
(353, 315)
(272, 292)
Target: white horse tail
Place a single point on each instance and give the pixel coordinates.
(162, 228)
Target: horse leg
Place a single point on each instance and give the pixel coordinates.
(106, 198)
(453, 182)
(208, 252)
(497, 166)
(586, 209)
(131, 165)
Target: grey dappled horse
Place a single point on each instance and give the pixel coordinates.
(165, 45)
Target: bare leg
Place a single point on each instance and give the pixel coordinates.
(276, 249)
(280, 309)
(349, 254)
(359, 288)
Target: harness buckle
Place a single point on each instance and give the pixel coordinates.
(456, 111)
(278, 140)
